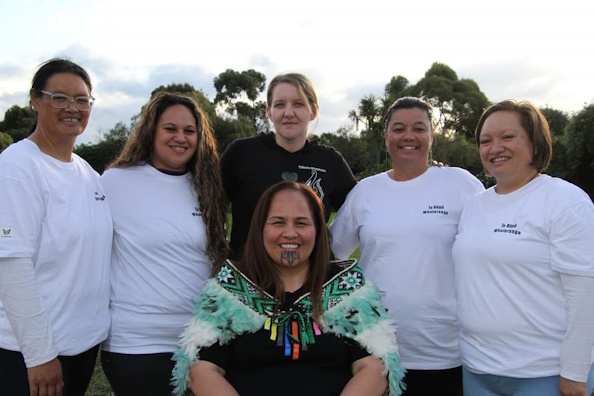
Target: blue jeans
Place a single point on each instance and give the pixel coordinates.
(496, 385)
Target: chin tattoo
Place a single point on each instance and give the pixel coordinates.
(291, 258)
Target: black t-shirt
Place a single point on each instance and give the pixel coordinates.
(256, 365)
(249, 166)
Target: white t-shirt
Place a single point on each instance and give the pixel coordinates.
(406, 231)
(508, 255)
(56, 214)
(159, 259)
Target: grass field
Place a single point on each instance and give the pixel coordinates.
(99, 385)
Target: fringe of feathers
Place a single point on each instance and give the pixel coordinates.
(220, 317)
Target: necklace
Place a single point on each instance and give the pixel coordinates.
(529, 180)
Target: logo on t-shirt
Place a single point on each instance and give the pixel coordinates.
(99, 198)
(435, 209)
(196, 212)
(314, 181)
(6, 233)
(289, 176)
(508, 228)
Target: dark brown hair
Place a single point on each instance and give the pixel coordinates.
(47, 69)
(534, 123)
(204, 166)
(257, 265)
(408, 102)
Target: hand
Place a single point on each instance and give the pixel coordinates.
(46, 379)
(437, 163)
(572, 388)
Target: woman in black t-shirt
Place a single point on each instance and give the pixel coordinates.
(284, 319)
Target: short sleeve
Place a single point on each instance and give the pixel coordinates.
(21, 215)
(572, 236)
(355, 350)
(217, 354)
(228, 169)
(344, 237)
(345, 181)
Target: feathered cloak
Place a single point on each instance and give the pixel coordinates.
(231, 304)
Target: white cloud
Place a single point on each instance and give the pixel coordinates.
(512, 49)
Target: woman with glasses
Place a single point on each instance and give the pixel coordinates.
(54, 246)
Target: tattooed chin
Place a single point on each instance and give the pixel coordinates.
(291, 258)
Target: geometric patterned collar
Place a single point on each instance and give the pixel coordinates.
(348, 279)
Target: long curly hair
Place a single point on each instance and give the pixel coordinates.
(204, 166)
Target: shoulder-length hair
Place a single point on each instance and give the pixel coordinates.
(255, 262)
(204, 166)
(534, 123)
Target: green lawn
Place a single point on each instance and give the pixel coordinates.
(99, 385)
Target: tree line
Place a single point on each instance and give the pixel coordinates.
(236, 112)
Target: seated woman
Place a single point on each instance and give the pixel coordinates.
(284, 319)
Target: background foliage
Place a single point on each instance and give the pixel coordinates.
(237, 111)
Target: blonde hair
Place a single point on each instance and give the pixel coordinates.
(304, 86)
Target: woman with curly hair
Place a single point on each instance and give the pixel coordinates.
(169, 220)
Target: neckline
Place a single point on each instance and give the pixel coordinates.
(390, 173)
(535, 176)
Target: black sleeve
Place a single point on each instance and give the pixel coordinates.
(344, 182)
(356, 351)
(228, 169)
(217, 354)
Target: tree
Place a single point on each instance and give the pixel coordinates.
(17, 123)
(459, 103)
(184, 88)
(5, 141)
(233, 88)
(369, 113)
(395, 89)
(458, 151)
(559, 166)
(188, 89)
(102, 153)
(352, 147)
(580, 148)
(225, 129)
(557, 120)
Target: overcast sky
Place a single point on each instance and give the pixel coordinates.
(541, 51)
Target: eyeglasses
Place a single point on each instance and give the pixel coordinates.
(61, 101)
